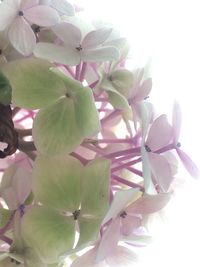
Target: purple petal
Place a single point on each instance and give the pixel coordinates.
(44, 16)
(21, 36)
(160, 133)
(190, 166)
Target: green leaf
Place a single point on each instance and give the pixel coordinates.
(56, 182)
(5, 90)
(48, 233)
(4, 216)
(55, 129)
(95, 187)
(89, 231)
(33, 84)
(87, 116)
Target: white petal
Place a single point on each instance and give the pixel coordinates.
(63, 6)
(44, 16)
(22, 37)
(121, 200)
(58, 54)
(176, 121)
(100, 54)
(95, 38)
(8, 12)
(68, 33)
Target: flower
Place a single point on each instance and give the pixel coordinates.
(62, 6)
(16, 16)
(75, 48)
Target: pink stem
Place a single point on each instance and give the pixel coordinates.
(83, 71)
(92, 85)
(78, 69)
(113, 114)
(125, 165)
(126, 182)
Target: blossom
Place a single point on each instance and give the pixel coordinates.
(62, 6)
(75, 48)
(16, 16)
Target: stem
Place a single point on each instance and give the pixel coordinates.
(134, 151)
(6, 239)
(115, 141)
(26, 146)
(80, 158)
(127, 164)
(113, 114)
(24, 132)
(126, 182)
(83, 71)
(77, 74)
(92, 85)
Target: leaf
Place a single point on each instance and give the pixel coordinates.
(5, 90)
(33, 85)
(95, 187)
(56, 182)
(48, 233)
(55, 129)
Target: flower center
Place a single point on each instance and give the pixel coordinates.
(20, 13)
(178, 144)
(148, 149)
(1, 52)
(123, 215)
(76, 214)
(79, 48)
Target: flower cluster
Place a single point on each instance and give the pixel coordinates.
(84, 157)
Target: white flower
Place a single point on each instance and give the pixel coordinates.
(16, 16)
(75, 48)
(62, 6)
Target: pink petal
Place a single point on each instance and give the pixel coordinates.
(21, 36)
(122, 257)
(188, 163)
(161, 170)
(121, 200)
(8, 12)
(176, 122)
(68, 33)
(58, 54)
(109, 241)
(144, 90)
(160, 133)
(106, 53)
(87, 260)
(149, 204)
(22, 183)
(96, 38)
(129, 224)
(28, 4)
(44, 16)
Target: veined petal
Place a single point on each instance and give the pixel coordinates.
(8, 12)
(188, 163)
(21, 36)
(149, 204)
(160, 133)
(161, 170)
(121, 200)
(96, 38)
(107, 53)
(58, 54)
(63, 7)
(28, 4)
(44, 16)
(68, 33)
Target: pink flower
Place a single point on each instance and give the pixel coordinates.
(16, 16)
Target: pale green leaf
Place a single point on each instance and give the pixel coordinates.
(55, 129)
(95, 187)
(48, 233)
(56, 182)
(33, 84)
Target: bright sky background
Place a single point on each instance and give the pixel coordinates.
(168, 32)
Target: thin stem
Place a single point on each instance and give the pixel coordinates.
(113, 114)
(80, 158)
(6, 239)
(26, 146)
(115, 141)
(83, 71)
(24, 132)
(77, 74)
(125, 165)
(92, 85)
(126, 182)
(134, 151)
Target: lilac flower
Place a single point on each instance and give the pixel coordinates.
(75, 48)
(16, 16)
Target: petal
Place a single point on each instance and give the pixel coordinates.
(54, 53)
(96, 38)
(28, 4)
(190, 166)
(9, 195)
(161, 170)
(56, 182)
(48, 233)
(109, 241)
(63, 7)
(144, 90)
(149, 204)
(42, 15)
(146, 117)
(68, 33)
(176, 122)
(99, 55)
(8, 12)
(121, 200)
(160, 133)
(129, 224)
(21, 36)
